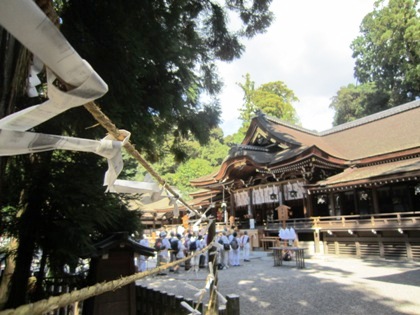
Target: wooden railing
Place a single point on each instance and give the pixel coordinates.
(382, 221)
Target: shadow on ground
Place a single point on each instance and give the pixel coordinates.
(318, 289)
(410, 277)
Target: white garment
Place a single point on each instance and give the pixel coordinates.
(165, 253)
(246, 246)
(234, 257)
(181, 252)
(231, 262)
(141, 262)
(225, 253)
(233, 253)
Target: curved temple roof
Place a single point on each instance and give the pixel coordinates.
(271, 143)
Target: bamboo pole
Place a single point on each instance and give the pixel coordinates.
(213, 307)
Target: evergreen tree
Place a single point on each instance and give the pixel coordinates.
(158, 57)
(388, 50)
(272, 98)
(387, 57)
(357, 101)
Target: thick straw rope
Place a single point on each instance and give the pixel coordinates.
(105, 122)
(52, 303)
(55, 302)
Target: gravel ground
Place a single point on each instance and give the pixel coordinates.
(328, 285)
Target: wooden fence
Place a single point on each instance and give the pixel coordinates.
(58, 286)
(154, 302)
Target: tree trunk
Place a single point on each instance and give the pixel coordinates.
(14, 65)
(7, 273)
(29, 221)
(19, 280)
(39, 292)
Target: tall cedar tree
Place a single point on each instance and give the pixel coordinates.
(158, 58)
(387, 62)
(388, 50)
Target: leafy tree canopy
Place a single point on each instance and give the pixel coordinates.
(388, 50)
(158, 57)
(357, 101)
(202, 160)
(273, 98)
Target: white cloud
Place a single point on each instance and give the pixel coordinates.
(308, 48)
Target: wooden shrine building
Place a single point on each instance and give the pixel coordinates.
(353, 189)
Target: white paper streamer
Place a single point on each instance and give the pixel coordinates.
(50, 47)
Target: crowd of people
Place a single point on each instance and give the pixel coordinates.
(171, 246)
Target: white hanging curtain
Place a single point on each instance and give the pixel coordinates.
(255, 197)
(245, 198)
(236, 197)
(241, 198)
(294, 191)
(263, 195)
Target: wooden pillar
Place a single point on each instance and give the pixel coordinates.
(178, 307)
(157, 305)
(355, 202)
(381, 245)
(316, 240)
(325, 245)
(232, 203)
(375, 201)
(408, 247)
(310, 209)
(141, 299)
(171, 303)
(164, 303)
(358, 250)
(250, 212)
(232, 306)
(331, 204)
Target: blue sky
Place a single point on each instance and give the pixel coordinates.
(308, 48)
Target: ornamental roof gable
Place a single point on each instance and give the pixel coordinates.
(392, 130)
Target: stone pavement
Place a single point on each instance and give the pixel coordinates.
(328, 285)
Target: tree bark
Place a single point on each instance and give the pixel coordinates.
(29, 221)
(7, 273)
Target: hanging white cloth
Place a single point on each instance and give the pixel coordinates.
(281, 233)
(27, 23)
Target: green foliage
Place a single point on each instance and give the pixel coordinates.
(354, 102)
(201, 161)
(249, 108)
(237, 137)
(191, 169)
(70, 218)
(388, 51)
(216, 150)
(158, 57)
(273, 98)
